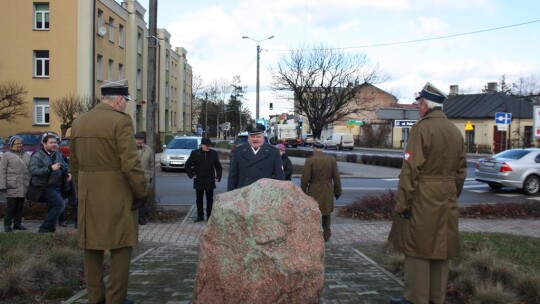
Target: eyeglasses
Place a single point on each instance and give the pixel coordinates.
(126, 98)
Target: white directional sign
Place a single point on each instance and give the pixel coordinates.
(404, 123)
(503, 118)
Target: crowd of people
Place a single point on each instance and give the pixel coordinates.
(108, 186)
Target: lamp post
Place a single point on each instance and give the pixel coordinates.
(258, 59)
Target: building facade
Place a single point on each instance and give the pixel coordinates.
(69, 48)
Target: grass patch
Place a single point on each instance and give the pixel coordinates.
(492, 268)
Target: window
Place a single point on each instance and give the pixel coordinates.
(41, 111)
(139, 44)
(42, 16)
(99, 67)
(100, 21)
(120, 71)
(121, 36)
(139, 79)
(110, 72)
(111, 29)
(41, 63)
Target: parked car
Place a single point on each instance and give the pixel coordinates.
(340, 141)
(177, 151)
(519, 168)
(307, 139)
(31, 140)
(63, 146)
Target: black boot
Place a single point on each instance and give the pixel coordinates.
(199, 219)
(19, 227)
(8, 228)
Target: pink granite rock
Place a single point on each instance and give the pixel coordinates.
(263, 244)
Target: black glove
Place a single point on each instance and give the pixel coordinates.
(337, 196)
(138, 203)
(405, 214)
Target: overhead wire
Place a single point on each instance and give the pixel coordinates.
(414, 40)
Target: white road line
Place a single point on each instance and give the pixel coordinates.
(479, 191)
(509, 195)
(474, 186)
(367, 188)
(534, 198)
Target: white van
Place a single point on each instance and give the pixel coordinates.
(339, 141)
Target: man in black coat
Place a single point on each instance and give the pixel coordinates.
(254, 161)
(203, 165)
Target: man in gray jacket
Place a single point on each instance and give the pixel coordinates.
(14, 180)
(48, 168)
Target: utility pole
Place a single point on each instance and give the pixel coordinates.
(151, 105)
(206, 115)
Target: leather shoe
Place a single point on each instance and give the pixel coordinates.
(199, 219)
(19, 227)
(7, 229)
(399, 300)
(62, 224)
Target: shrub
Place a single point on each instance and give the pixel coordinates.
(528, 287)
(45, 274)
(502, 210)
(15, 280)
(371, 207)
(58, 292)
(494, 294)
(65, 259)
(15, 256)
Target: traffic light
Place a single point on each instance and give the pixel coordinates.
(299, 126)
(271, 106)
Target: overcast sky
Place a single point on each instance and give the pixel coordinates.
(211, 32)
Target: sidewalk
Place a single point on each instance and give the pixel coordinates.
(166, 272)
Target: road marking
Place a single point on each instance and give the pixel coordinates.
(509, 195)
(390, 179)
(534, 198)
(479, 191)
(474, 186)
(367, 188)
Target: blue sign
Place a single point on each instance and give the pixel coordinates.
(503, 118)
(404, 123)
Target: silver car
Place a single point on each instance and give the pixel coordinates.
(519, 168)
(177, 151)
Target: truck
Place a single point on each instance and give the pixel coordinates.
(287, 135)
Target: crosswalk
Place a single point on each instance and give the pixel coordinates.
(471, 185)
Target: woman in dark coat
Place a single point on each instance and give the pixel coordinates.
(204, 167)
(285, 162)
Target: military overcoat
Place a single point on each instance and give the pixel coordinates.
(320, 180)
(247, 168)
(432, 176)
(107, 173)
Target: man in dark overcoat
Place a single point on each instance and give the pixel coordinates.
(254, 161)
(320, 180)
(425, 220)
(204, 167)
(110, 186)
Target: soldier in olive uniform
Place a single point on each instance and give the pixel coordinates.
(110, 186)
(146, 155)
(320, 180)
(425, 224)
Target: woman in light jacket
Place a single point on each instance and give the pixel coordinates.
(14, 180)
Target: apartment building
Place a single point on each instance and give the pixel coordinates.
(56, 49)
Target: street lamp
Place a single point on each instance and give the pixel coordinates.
(258, 59)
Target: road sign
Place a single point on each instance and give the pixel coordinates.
(536, 116)
(261, 121)
(469, 126)
(353, 122)
(503, 118)
(404, 123)
(502, 127)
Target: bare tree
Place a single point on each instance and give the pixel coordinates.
(197, 87)
(12, 103)
(529, 85)
(67, 108)
(324, 82)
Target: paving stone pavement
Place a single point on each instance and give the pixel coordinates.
(166, 272)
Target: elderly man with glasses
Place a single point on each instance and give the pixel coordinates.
(111, 186)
